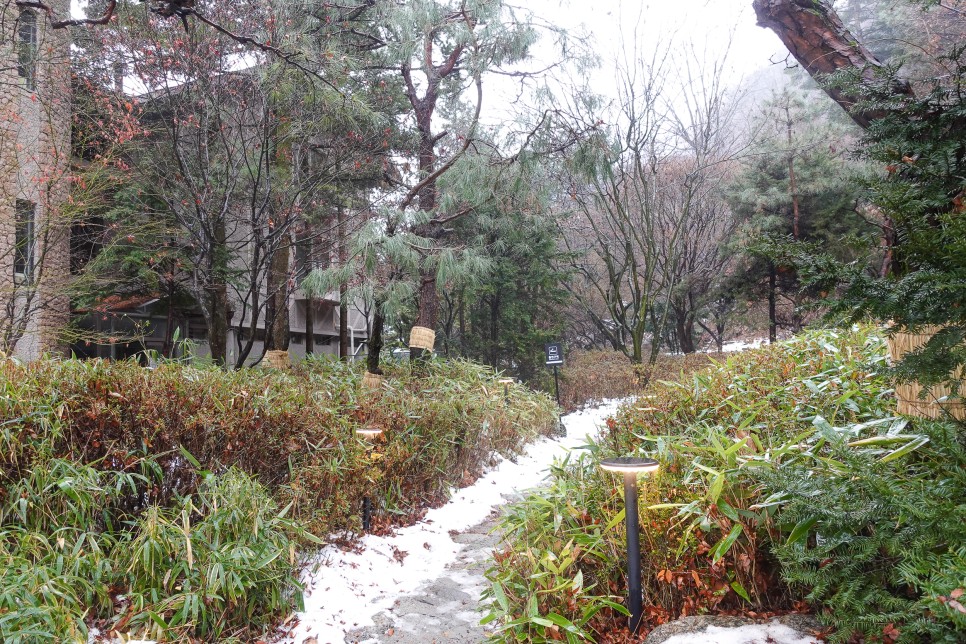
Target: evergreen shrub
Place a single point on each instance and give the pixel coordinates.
(294, 432)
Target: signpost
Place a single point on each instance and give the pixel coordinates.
(554, 357)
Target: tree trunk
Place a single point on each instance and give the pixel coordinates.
(277, 323)
(772, 312)
(717, 333)
(462, 323)
(428, 310)
(167, 347)
(375, 341)
(816, 37)
(218, 298)
(684, 329)
(796, 218)
(343, 290)
(428, 313)
(792, 183)
(494, 330)
(218, 322)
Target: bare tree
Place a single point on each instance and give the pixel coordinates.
(649, 217)
(229, 154)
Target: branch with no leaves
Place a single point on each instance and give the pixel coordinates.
(71, 22)
(174, 8)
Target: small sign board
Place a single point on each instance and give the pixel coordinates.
(554, 353)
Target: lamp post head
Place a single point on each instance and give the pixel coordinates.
(630, 465)
(368, 432)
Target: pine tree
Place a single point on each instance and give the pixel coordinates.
(797, 187)
(914, 129)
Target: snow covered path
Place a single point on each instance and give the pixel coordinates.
(422, 585)
(349, 589)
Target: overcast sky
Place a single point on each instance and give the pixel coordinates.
(708, 23)
(717, 29)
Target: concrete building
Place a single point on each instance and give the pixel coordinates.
(35, 125)
(147, 318)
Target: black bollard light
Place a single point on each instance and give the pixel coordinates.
(631, 467)
(369, 434)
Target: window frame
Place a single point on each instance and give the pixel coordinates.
(28, 38)
(25, 223)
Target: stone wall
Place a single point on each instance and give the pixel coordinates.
(35, 156)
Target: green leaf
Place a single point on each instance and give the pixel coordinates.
(706, 468)
(563, 622)
(157, 619)
(717, 485)
(618, 518)
(500, 596)
(723, 546)
(825, 429)
(578, 583)
(911, 446)
(532, 608)
(725, 508)
(188, 457)
(884, 440)
(801, 529)
(738, 588)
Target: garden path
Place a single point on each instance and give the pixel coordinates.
(422, 584)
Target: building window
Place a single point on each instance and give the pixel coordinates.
(23, 250)
(310, 253)
(27, 48)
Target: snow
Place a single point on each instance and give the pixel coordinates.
(751, 634)
(739, 345)
(94, 636)
(344, 590)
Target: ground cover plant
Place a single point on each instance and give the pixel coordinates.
(179, 503)
(787, 483)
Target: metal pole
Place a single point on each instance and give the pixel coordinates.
(367, 514)
(556, 384)
(633, 551)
